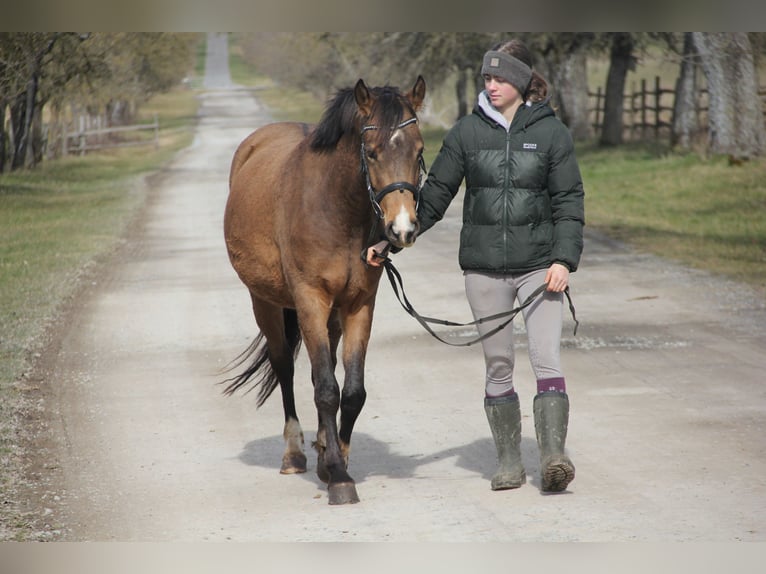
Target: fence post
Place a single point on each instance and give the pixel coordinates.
(657, 96)
(643, 108)
(82, 134)
(156, 132)
(633, 111)
(597, 125)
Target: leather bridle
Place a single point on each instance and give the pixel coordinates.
(376, 198)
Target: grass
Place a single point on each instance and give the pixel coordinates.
(699, 211)
(55, 222)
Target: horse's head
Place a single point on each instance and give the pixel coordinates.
(392, 156)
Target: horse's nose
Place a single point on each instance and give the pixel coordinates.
(403, 230)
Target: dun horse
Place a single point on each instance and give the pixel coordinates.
(303, 203)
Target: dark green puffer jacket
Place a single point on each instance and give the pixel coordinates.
(524, 202)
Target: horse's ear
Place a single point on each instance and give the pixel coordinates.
(363, 98)
(418, 93)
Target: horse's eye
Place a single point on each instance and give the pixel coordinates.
(372, 154)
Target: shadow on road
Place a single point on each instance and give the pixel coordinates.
(371, 457)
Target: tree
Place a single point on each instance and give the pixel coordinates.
(622, 60)
(24, 56)
(564, 64)
(735, 116)
(98, 71)
(685, 118)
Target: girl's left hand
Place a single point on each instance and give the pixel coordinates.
(557, 278)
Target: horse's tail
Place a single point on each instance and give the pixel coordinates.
(260, 369)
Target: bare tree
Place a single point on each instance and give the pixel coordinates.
(622, 60)
(94, 70)
(685, 118)
(735, 116)
(564, 63)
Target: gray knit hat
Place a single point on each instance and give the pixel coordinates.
(507, 67)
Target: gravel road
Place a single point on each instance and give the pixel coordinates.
(666, 380)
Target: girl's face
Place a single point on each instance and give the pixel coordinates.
(502, 94)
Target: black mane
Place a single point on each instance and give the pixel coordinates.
(341, 117)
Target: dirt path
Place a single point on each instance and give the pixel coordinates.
(665, 377)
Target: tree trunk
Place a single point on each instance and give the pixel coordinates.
(461, 90)
(30, 155)
(37, 142)
(570, 81)
(621, 62)
(20, 135)
(735, 116)
(685, 119)
(3, 135)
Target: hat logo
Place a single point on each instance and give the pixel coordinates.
(494, 62)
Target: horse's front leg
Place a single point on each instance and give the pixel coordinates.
(332, 464)
(356, 334)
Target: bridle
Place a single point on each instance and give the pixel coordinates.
(376, 198)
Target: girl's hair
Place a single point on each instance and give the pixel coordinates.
(537, 90)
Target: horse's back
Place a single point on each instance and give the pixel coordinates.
(259, 163)
(251, 214)
(266, 149)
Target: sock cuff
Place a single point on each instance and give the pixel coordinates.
(556, 384)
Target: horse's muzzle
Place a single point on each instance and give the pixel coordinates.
(402, 232)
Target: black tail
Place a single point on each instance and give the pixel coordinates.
(261, 369)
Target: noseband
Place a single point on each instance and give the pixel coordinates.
(376, 198)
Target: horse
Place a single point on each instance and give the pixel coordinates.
(304, 201)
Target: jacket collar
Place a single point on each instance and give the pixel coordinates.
(531, 112)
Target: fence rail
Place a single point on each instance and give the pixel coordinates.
(103, 138)
(649, 111)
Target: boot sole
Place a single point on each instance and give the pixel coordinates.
(503, 483)
(557, 476)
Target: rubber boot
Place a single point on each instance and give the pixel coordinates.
(551, 410)
(504, 418)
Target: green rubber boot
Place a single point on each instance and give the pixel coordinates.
(504, 418)
(551, 410)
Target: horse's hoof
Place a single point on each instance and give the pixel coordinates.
(293, 464)
(343, 493)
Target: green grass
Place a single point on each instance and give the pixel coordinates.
(699, 211)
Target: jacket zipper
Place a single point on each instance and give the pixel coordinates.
(506, 202)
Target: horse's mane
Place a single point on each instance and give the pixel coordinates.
(341, 117)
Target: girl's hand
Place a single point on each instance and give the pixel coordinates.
(377, 253)
(557, 278)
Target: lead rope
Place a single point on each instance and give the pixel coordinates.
(398, 286)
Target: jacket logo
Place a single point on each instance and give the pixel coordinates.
(530, 146)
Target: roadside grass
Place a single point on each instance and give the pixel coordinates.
(56, 221)
(699, 211)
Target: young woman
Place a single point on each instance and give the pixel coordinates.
(523, 215)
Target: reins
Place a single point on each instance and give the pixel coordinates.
(398, 286)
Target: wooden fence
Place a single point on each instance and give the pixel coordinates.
(84, 140)
(648, 111)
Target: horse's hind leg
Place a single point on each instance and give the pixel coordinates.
(280, 328)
